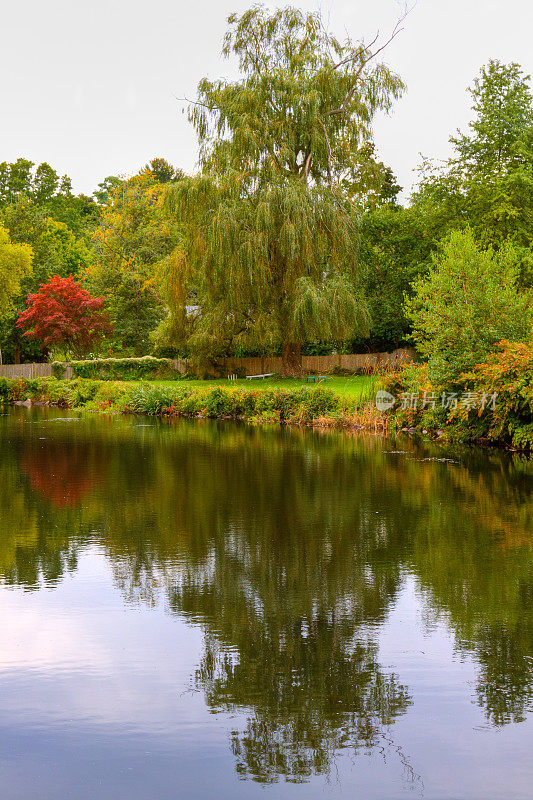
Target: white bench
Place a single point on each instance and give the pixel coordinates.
(265, 375)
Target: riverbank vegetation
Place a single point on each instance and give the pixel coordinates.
(346, 402)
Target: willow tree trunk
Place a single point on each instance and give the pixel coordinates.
(291, 360)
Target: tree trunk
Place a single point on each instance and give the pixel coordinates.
(291, 360)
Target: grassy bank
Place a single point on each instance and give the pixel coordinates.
(353, 387)
(341, 402)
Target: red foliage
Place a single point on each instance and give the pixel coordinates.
(62, 313)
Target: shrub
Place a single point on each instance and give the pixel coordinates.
(82, 392)
(284, 404)
(111, 395)
(506, 376)
(5, 386)
(501, 391)
(319, 402)
(58, 370)
(217, 402)
(467, 303)
(146, 399)
(112, 369)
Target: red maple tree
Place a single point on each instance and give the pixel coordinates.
(62, 313)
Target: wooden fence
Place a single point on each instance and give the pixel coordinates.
(253, 366)
(351, 362)
(26, 370)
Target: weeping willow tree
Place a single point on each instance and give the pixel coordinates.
(269, 231)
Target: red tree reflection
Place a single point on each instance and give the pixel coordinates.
(62, 472)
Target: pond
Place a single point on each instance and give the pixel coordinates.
(201, 609)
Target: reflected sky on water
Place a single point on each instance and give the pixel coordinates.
(218, 610)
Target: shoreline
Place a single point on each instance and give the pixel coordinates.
(358, 422)
(313, 407)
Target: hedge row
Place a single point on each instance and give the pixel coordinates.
(303, 404)
(119, 369)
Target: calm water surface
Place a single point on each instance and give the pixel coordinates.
(203, 610)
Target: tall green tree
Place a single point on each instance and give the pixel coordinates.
(15, 179)
(38, 208)
(56, 251)
(15, 265)
(48, 191)
(394, 250)
(135, 233)
(269, 239)
(488, 182)
(40, 184)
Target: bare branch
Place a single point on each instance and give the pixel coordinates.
(194, 102)
(397, 29)
(353, 55)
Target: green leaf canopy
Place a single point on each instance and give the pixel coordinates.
(270, 236)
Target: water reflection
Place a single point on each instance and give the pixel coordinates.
(62, 475)
(299, 654)
(289, 549)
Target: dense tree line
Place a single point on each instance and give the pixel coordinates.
(290, 239)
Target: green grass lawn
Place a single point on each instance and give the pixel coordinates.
(358, 387)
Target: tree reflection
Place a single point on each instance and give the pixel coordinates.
(297, 652)
(308, 690)
(288, 548)
(61, 473)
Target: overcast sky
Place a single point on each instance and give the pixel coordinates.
(92, 87)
